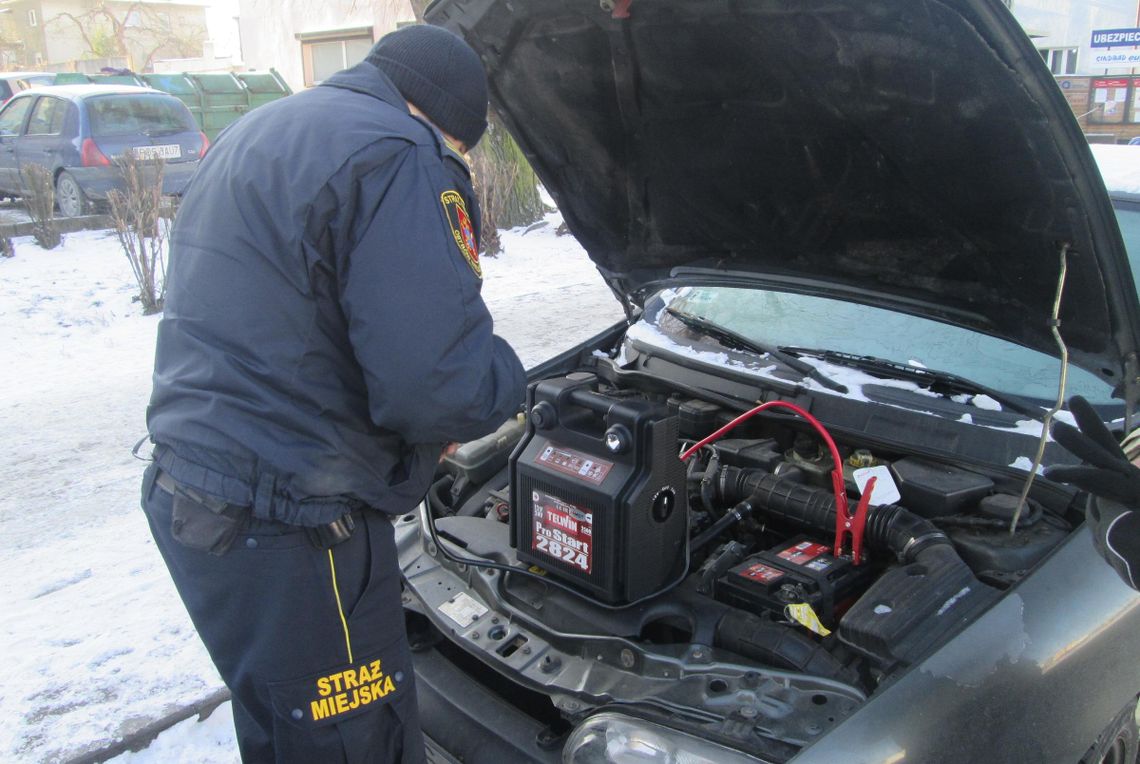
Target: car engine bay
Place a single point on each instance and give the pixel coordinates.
(730, 593)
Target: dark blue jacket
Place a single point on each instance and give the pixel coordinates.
(323, 332)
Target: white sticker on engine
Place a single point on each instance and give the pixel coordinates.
(463, 609)
(885, 490)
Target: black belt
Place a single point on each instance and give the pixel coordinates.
(172, 487)
(321, 536)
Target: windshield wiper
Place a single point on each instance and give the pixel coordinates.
(938, 381)
(731, 339)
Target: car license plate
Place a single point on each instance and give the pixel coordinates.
(167, 151)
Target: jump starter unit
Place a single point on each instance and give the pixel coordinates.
(597, 490)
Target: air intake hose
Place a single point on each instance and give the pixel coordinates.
(888, 526)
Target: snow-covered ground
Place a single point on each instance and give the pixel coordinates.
(95, 640)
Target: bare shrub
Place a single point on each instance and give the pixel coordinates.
(141, 222)
(7, 249)
(39, 197)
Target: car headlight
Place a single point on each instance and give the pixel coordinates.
(610, 738)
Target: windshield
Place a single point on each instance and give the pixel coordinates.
(795, 320)
(1128, 216)
(122, 114)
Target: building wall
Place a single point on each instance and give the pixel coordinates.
(12, 43)
(64, 42)
(1068, 25)
(270, 30)
(1105, 99)
(28, 44)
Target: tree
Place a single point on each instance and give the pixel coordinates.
(138, 31)
(505, 184)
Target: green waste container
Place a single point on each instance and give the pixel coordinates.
(214, 99)
(71, 78)
(79, 78)
(116, 79)
(223, 99)
(263, 87)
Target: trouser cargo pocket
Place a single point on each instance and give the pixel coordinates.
(338, 694)
(369, 705)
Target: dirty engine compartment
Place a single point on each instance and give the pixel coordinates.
(575, 554)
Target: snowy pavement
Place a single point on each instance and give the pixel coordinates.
(96, 642)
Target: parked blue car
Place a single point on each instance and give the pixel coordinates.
(78, 131)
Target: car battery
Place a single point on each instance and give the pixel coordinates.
(598, 491)
(801, 570)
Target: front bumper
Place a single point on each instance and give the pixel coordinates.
(463, 721)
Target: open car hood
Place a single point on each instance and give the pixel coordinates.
(912, 155)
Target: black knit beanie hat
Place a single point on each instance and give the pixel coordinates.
(440, 74)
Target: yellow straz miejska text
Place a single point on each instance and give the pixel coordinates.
(350, 689)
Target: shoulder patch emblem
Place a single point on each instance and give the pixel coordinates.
(461, 228)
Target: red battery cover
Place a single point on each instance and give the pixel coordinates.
(801, 570)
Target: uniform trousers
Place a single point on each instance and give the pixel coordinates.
(310, 641)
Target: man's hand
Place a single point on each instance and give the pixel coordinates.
(1112, 480)
(449, 450)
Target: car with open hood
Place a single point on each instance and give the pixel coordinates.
(795, 507)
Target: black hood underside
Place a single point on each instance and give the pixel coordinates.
(908, 154)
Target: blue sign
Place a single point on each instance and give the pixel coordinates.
(1107, 38)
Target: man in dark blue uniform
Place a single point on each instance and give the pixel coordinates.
(323, 338)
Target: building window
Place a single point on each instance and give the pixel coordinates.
(1060, 60)
(325, 53)
(33, 19)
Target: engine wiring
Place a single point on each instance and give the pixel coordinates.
(844, 520)
(433, 500)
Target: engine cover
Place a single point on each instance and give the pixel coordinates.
(597, 491)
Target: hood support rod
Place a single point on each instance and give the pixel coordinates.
(1055, 327)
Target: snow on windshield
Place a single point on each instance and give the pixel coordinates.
(648, 333)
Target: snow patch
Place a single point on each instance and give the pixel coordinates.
(986, 402)
(1119, 166)
(1025, 464)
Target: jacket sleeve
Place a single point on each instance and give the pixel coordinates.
(434, 370)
